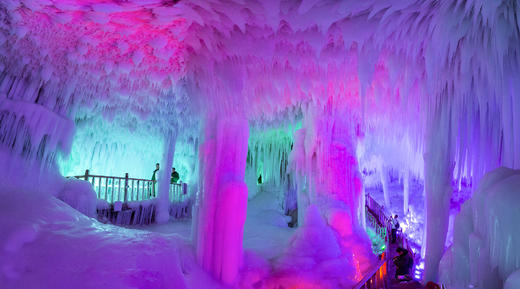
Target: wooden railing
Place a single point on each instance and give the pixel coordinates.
(125, 189)
(379, 221)
(380, 228)
(377, 210)
(377, 278)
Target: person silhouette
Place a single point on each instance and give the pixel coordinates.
(174, 177)
(154, 180)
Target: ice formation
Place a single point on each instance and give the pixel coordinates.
(484, 250)
(321, 98)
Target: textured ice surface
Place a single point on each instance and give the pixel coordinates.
(153, 67)
(46, 244)
(80, 195)
(486, 236)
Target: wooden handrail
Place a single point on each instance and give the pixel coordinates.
(113, 189)
(372, 276)
(113, 177)
(377, 213)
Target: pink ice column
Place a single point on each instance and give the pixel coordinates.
(324, 153)
(222, 200)
(324, 158)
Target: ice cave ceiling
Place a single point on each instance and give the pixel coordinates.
(165, 62)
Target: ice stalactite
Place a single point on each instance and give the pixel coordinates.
(383, 175)
(34, 127)
(163, 201)
(438, 171)
(268, 157)
(111, 148)
(32, 130)
(222, 199)
(406, 191)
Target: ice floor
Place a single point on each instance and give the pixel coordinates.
(265, 232)
(47, 244)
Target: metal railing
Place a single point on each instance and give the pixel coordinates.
(125, 189)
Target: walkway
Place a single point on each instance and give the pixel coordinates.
(131, 201)
(384, 278)
(394, 284)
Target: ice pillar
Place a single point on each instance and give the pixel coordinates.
(324, 159)
(438, 175)
(383, 173)
(163, 196)
(222, 200)
(406, 191)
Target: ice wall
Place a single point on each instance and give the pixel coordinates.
(268, 156)
(110, 148)
(484, 251)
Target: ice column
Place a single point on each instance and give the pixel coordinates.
(406, 190)
(324, 160)
(438, 174)
(222, 200)
(163, 196)
(383, 173)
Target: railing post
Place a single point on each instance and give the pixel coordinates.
(126, 187)
(86, 175)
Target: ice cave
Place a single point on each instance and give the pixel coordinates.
(259, 144)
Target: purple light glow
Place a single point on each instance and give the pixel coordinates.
(303, 95)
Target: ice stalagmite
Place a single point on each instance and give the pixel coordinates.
(222, 201)
(329, 186)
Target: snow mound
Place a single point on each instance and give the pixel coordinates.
(47, 244)
(80, 195)
(485, 249)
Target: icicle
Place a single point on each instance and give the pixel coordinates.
(406, 191)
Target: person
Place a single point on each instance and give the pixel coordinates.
(154, 180)
(174, 177)
(395, 226)
(403, 263)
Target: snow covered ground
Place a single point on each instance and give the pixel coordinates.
(47, 244)
(266, 233)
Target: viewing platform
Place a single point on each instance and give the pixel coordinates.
(132, 201)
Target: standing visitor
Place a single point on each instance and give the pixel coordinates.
(395, 225)
(154, 180)
(174, 177)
